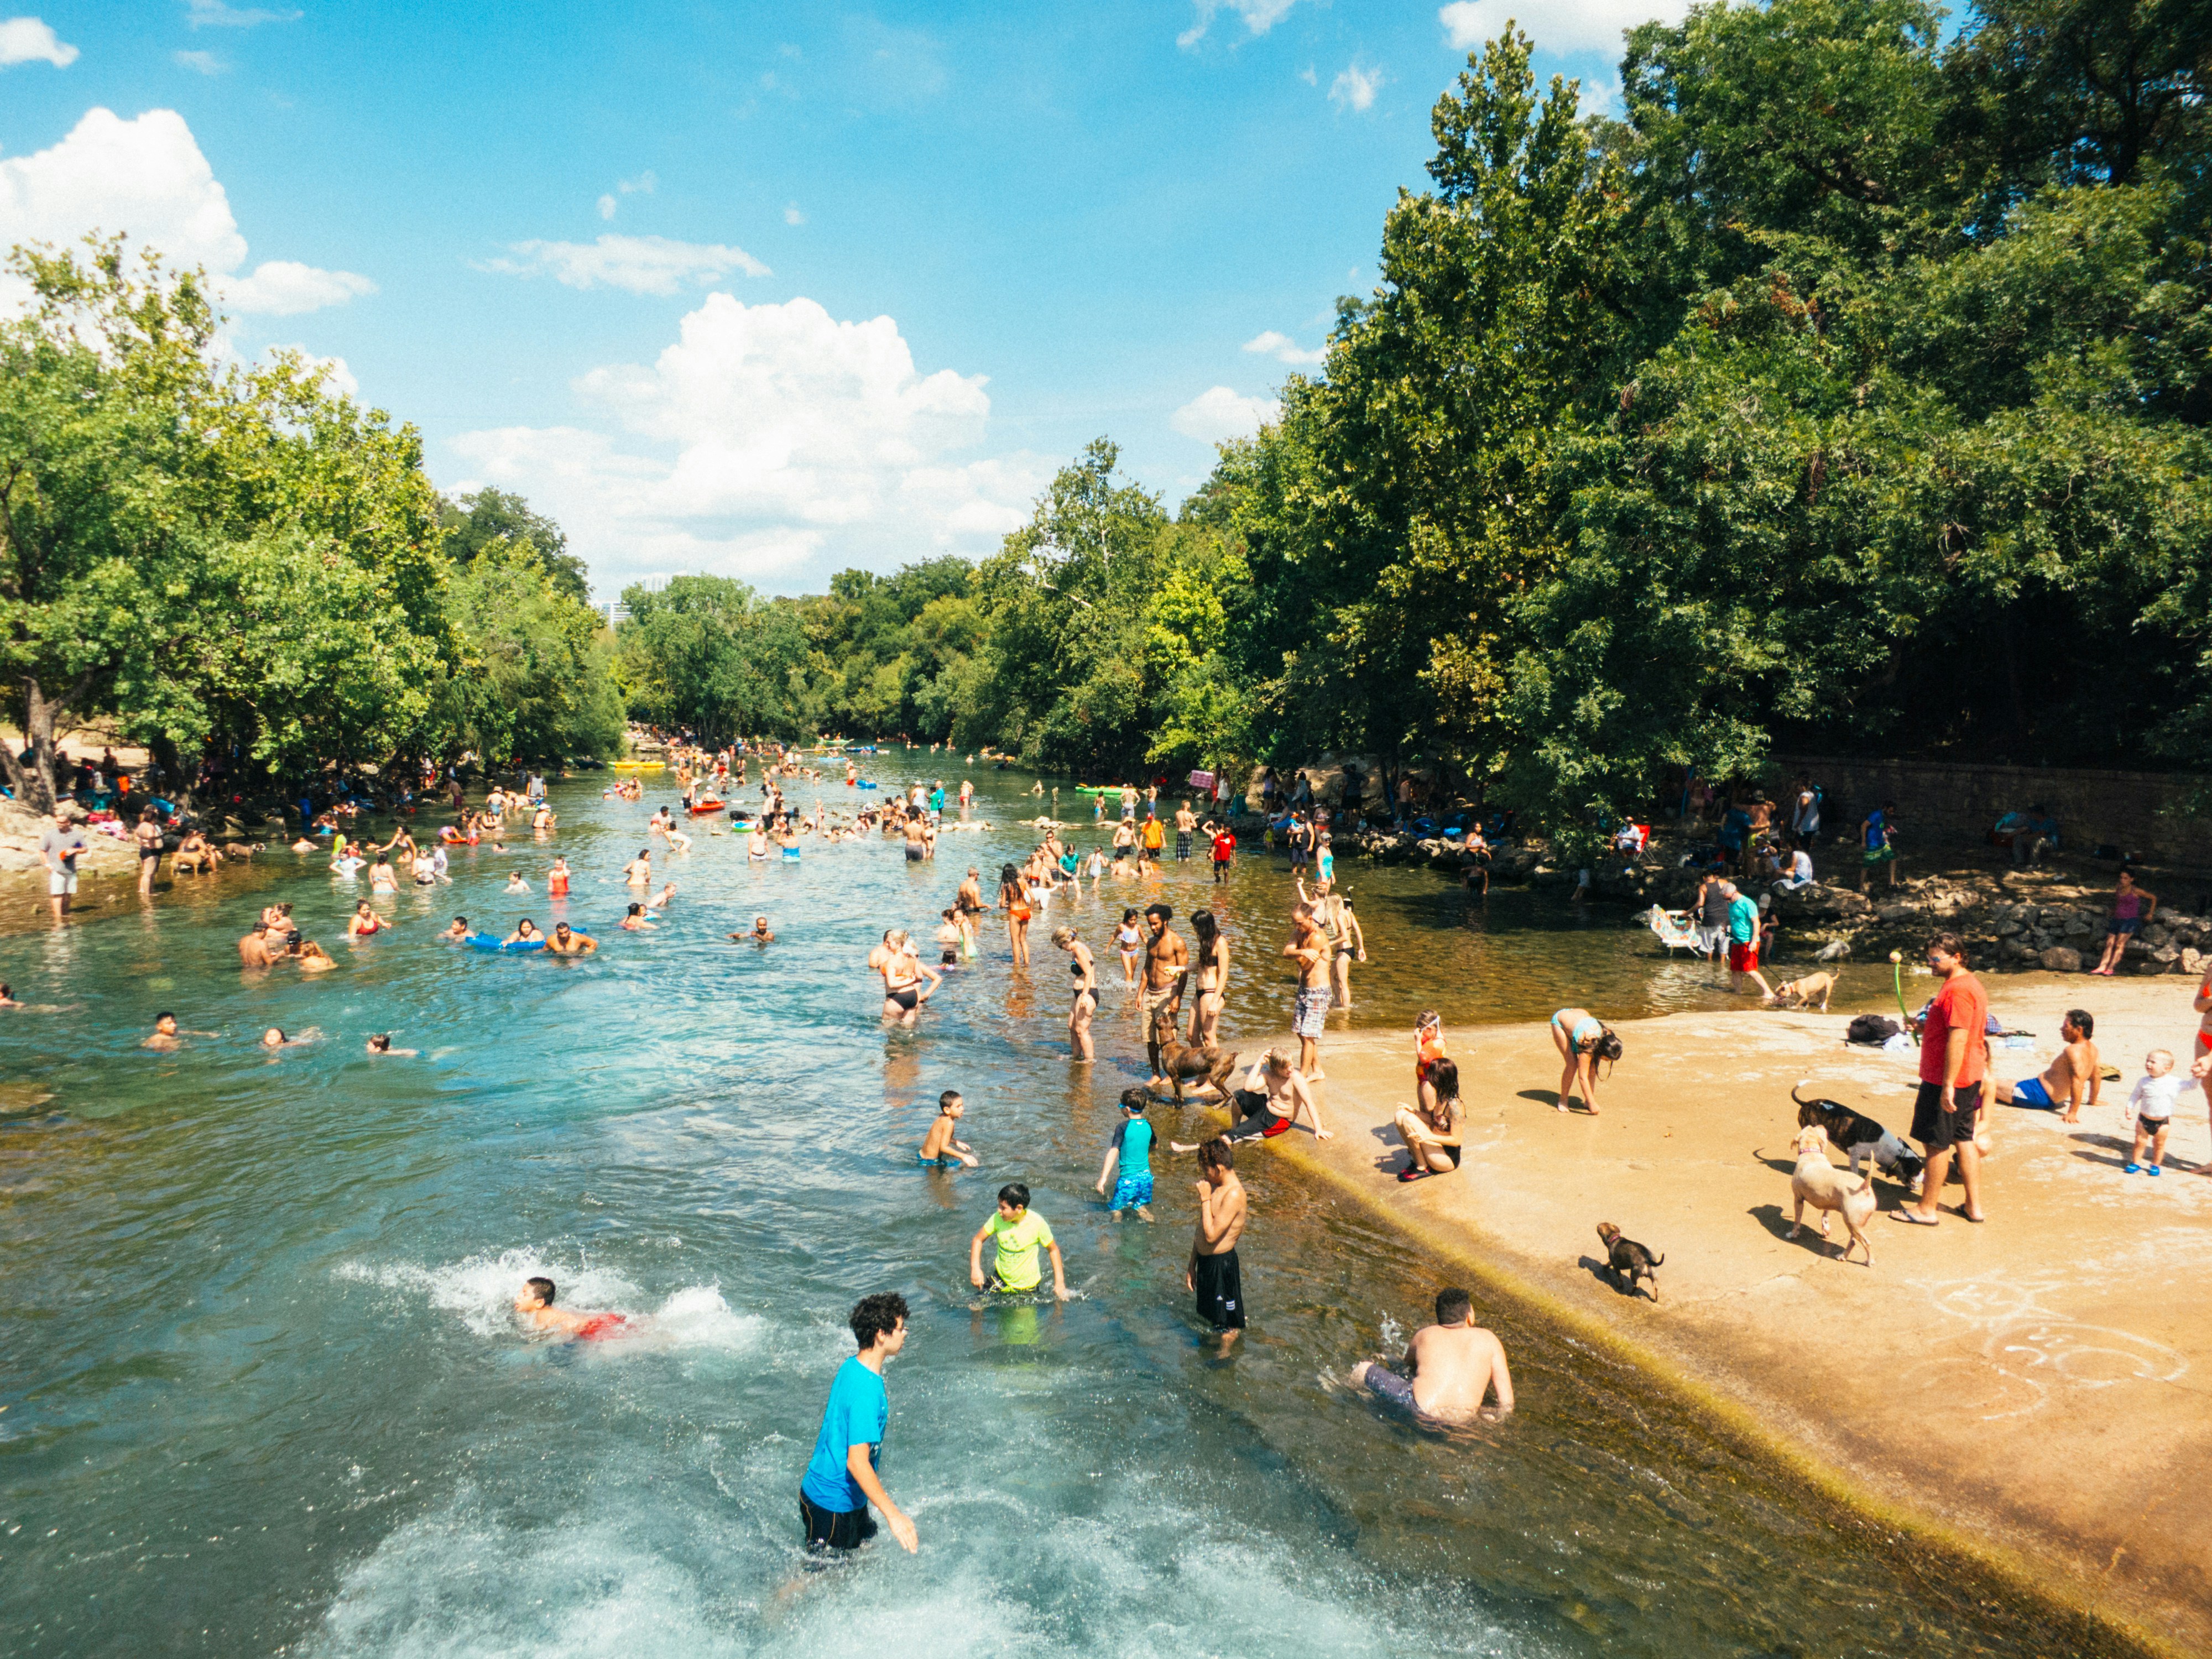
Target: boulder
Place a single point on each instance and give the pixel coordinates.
(1820, 903)
(2060, 960)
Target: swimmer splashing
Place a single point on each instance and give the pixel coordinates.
(535, 1305)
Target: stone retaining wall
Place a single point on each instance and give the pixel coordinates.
(2142, 812)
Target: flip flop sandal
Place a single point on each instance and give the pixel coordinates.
(1912, 1220)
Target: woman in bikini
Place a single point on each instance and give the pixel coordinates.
(1130, 942)
(382, 878)
(1583, 1040)
(148, 834)
(1015, 902)
(1084, 972)
(1212, 961)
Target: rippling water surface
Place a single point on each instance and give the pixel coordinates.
(262, 1391)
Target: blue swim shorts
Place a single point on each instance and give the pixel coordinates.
(2030, 1091)
(1132, 1190)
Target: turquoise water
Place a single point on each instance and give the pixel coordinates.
(263, 1392)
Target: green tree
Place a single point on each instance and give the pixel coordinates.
(497, 518)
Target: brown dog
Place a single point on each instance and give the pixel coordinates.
(1629, 1261)
(1821, 1184)
(1813, 987)
(1203, 1068)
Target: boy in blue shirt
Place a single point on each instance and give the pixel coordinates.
(841, 1479)
(1130, 1148)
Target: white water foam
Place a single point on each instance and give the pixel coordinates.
(481, 1290)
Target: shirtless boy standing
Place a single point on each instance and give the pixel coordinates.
(1213, 1274)
(1308, 948)
(1449, 1367)
(2072, 1077)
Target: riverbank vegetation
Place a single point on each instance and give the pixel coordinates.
(1847, 391)
(248, 573)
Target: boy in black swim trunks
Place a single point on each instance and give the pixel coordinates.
(1213, 1274)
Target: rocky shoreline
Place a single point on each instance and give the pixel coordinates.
(2021, 920)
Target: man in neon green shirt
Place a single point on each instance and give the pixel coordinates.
(1017, 1236)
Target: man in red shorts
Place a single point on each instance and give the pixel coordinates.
(1743, 940)
(1954, 1052)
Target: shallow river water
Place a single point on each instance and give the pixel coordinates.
(260, 1390)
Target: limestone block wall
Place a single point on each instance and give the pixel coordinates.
(1938, 802)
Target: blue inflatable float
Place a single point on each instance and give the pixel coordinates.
(486, 942)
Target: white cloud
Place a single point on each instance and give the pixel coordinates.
(1218, 414)
(1309, 76)
(201, 63)
(641, 264)
(214, 15)
(1259, 15)
(1567, 25)
(644, 184)
(285, 287)
(147, 178)
(766, 440)
(1355, 88)
(792, 216)
(31, 40)
(1284, 349)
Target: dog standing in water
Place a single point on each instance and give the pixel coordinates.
(1821, 1184)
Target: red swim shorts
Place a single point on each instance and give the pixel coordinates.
(1744, 958)
(599, 1327)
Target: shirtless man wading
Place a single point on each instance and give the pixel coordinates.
(1308, 948)
(1213, 1275)
(1449, 1366)
(2071, 1078)
(1167, 965)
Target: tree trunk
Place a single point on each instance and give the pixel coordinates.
(34, 784)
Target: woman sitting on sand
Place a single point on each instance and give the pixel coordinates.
(1432, 1133)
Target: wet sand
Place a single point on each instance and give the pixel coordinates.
(2035, 1387)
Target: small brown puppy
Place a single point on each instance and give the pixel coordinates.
(1813, 987)
(1629, 1261)
(1203, 1068)
(1821, 1184)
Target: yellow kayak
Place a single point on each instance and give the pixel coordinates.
(638, 766)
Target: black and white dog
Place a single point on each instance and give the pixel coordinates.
(1862, 1137)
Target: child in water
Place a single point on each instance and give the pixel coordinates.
(939, 1150)
(1129, 941)
(1131, 1151)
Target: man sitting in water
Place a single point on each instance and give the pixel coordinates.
(1017, 1236)
(165, 1032)
(567, 942)
(535, 1305)
(1449, 1367)
(2073, 1076)
(381, 1044)
(459, 930)
(253, 949)
(938, 1149)
(760, 934)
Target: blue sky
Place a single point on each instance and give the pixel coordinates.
(763, 290)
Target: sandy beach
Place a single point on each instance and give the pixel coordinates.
(2035, 1387)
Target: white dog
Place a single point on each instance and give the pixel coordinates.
(1821, 1184)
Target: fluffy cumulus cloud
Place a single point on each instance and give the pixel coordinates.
(1565, 26)
(643, 264)
(1284, 349)
(772, 442)
(32, 41)
(1218, 414)
(1259, 15)
(1355, 88)
(147, 178)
